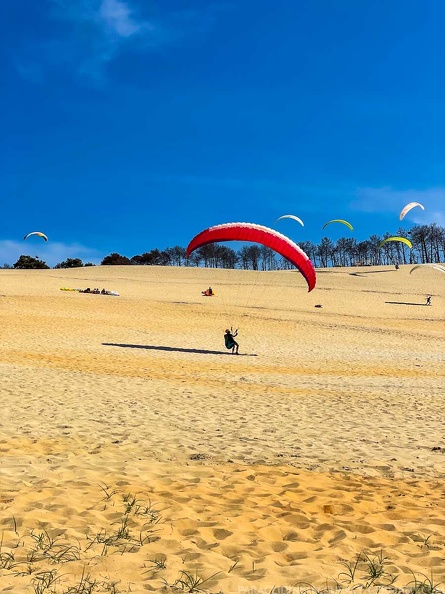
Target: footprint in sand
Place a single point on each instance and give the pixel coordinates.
(279, 547)
(221, 534)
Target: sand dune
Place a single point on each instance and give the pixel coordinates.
(136, 450)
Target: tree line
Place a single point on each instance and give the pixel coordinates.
(428, 243)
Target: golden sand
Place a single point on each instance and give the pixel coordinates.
(137, 451)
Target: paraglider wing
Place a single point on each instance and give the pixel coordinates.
(339, 221)
(408, 207)
(290, 217)
(402, 239)
(439, 267)
(36, 233)
(257, 234)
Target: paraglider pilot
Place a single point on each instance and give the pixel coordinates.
(229, 339)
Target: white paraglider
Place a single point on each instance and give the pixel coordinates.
(408, 207)
(290, 217)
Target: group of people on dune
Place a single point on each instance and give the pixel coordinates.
(94, 291)
(97, 291)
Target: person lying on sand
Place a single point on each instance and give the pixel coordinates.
(229, 339)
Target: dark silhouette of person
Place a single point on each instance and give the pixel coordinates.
(229, 339)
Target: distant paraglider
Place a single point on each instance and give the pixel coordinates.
(439, 267)
(402, 239)
(257, 234)
(408, 207)
(289, 216)
(339, 221)
(36, 233)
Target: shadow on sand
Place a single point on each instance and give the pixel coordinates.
(405, 303)
(369, 272)
(152, 347)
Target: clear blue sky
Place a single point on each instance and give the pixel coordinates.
(134, 124)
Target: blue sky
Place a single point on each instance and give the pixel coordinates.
(134, 124)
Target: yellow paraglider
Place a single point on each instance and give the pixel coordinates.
(339, 221)
(36, 233)
(408, 207)
(402, 239)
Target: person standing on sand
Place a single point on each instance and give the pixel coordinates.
(428, 300)
(229, 339)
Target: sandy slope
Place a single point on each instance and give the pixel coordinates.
(322, 440)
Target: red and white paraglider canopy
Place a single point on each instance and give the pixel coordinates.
(257, 234)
